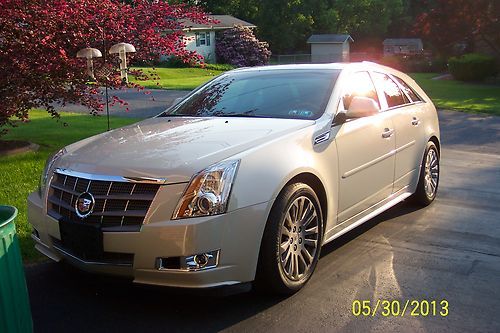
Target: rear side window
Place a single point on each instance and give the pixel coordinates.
(359, 84)
(392, 93)
(407, 89)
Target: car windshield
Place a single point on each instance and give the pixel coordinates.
(292, 94)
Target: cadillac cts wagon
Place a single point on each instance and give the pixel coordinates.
(242, 180)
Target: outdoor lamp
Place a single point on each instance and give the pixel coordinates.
(122, 49)
(89, 53)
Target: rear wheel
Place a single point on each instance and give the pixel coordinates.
(429, 176)
(292, 241)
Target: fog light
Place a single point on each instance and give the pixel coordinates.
(193, 263)
(201, 261)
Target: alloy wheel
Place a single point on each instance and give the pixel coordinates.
(431, 173)
(299, 238)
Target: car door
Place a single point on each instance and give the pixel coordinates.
(406, 122)
(365, 152)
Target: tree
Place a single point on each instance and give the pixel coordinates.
(286, 24)
(239, 47)
(39, 40)
(449, 22)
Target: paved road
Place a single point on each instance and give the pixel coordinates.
(450, 250)
(141, 104)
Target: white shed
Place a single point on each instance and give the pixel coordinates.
(330, 48)
(403, 46)
(201, 37)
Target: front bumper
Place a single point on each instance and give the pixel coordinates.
(236, 234)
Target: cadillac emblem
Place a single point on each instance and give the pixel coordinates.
(84, 205)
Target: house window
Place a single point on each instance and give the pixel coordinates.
(202, 38)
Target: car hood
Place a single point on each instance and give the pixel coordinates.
(172, 148)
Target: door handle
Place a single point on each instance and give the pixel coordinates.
(415, 121)
(387, 133)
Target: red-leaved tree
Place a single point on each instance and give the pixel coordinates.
(448, 22)
(39, 40)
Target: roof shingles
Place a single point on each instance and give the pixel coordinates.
(329, 39)
(224, 22)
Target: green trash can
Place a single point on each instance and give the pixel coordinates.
(15, 312)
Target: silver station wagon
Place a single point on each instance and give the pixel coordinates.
(243, 180)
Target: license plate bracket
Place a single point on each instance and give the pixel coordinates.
(81, 239)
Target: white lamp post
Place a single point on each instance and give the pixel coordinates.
(89, 53)
(122, 49)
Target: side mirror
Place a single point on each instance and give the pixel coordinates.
(340, 118)
(362, 107)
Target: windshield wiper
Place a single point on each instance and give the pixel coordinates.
(164, 114)
(247, 115)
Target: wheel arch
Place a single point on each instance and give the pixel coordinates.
(317, 185)
(436, 142)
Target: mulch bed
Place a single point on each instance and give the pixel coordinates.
(11, 147)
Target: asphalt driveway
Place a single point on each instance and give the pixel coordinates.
(450, 251)
(140, 103)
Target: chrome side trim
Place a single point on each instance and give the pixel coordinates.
(78, 174)
(378, 159)
(403, 147)
(362, 220)
(369, 164)
(63, 252)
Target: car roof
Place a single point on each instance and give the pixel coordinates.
(366, 65)
(341, 66)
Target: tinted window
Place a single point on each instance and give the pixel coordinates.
(393, 95)
(301, 94)
(359, 84)
(406, 88)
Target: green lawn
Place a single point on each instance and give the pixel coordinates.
(176, 78)
(469, 97)
(20, 173)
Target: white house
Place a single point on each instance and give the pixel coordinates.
(201, 37)
(330, 48)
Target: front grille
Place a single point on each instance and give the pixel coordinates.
(119, 206)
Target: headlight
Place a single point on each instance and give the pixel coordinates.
(48, 166)
(208, 192)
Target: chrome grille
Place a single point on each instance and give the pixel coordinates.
(119, 206)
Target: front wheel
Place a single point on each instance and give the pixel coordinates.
(292, 241)
(429, 176)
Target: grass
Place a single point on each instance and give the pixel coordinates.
(461, 96)
(20, 173)
(177, 78)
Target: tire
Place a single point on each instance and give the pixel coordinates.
(290, 242)
(428, 181)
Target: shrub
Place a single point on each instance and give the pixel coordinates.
(217, 67)
(239, 47)
(392, 61)
(472, 67)
(414, 63)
